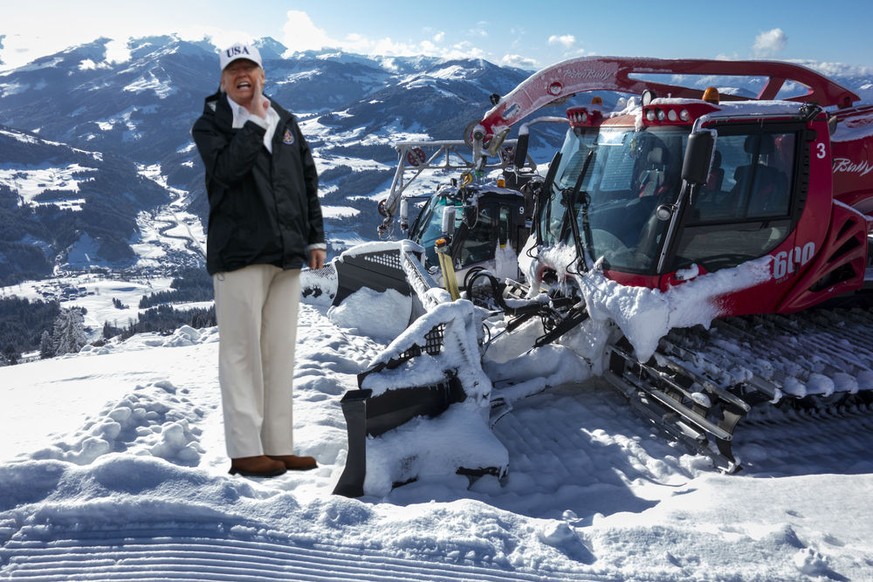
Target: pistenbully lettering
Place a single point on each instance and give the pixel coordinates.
(848, 166)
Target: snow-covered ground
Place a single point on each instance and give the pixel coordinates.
(112, 467)
(95, 293)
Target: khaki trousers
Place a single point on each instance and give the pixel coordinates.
(256, 308)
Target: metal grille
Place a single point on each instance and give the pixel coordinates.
(434, 339)
(433, 344)
(386, 258)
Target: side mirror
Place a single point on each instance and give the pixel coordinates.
(698, 156)
(521, 150)
(448, 224)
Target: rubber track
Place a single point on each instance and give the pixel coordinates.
(784, 350)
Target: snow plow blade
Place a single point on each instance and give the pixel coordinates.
(376, 266)
(369, 416)
(422, 408)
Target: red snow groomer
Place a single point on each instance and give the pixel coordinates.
(678, 185)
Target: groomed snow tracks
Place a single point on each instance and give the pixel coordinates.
(173, 554)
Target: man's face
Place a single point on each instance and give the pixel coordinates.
(238, 80)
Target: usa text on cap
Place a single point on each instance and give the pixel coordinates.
(239, 51)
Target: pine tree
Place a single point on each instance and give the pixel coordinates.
(10, 355)
(69, 332)
(46, 346)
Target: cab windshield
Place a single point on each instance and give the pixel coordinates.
(428, 227)
(628, 174)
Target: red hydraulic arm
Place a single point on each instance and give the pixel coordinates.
(564, 79)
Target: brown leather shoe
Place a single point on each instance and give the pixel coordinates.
(295, 463)
(260, 466)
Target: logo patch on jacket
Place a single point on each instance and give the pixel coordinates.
(288, 137)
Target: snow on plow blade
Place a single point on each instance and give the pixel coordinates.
(422, 408)
(371, 416)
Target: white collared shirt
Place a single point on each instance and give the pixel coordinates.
(241, 115)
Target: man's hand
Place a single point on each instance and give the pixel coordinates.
(317, 258)
(259, 104)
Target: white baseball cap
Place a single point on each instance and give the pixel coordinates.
(239, 51)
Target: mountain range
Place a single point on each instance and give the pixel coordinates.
(96, 155)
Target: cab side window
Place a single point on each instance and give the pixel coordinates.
(480, 243)
(744, 209)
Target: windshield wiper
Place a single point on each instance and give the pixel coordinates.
(543, 197)
(570, 198)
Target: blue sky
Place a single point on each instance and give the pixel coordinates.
(530, 34)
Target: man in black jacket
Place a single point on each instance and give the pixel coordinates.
(265, 224)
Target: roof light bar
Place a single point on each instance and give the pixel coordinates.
(683, 112)
(584, 117)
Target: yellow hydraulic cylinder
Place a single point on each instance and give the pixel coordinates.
(450, 281)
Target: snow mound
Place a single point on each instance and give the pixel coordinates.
(153, 420)
(380, 315)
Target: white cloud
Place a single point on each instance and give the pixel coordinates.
(302, 34)
(28, 36)
(770, 42)
(831, 69)
(358, 43)
(117, 51)
(463, 50)
(565, 40)
(519, 61)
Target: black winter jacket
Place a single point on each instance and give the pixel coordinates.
(263, 208)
